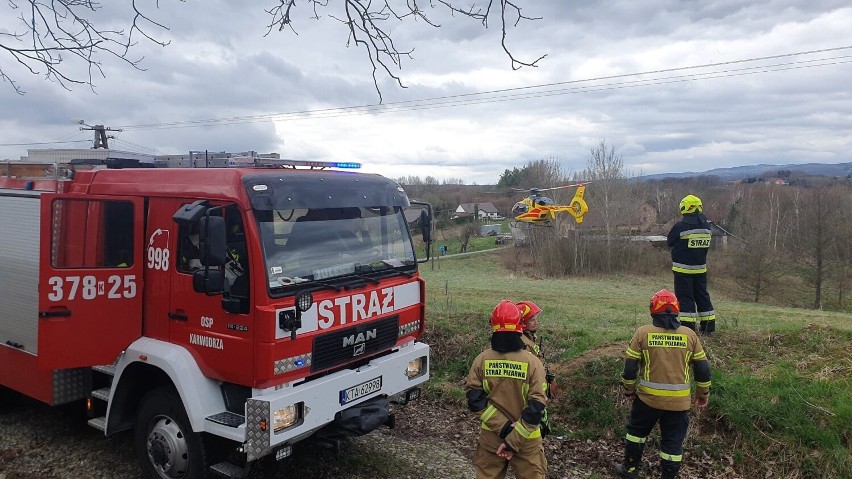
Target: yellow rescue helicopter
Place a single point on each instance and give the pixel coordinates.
(540, 210)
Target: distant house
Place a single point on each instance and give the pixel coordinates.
(486, 210)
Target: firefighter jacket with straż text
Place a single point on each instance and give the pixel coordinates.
(658, 367)
(507, 390)
(689, 240)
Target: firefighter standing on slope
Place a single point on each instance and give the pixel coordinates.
(689, 240)
(506, 387)
(530, 313)
(659, 359)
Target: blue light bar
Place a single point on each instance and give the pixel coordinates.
(346, 165)
(278, 162)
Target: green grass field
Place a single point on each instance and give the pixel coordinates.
(781, 402)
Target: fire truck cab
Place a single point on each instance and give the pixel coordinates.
(250, 308)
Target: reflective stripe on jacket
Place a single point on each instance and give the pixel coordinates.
(689, 240)
(665, 359)
(511, 380)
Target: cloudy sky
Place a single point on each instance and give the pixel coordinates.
(673, 85)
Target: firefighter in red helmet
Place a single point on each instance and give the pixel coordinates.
(530, 314)
(506, 387)
(529, 321)
(657, 379)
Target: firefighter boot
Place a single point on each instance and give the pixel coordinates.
(669, 469)
(626, 471)
(632, 461)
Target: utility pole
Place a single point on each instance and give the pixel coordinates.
(100, 135)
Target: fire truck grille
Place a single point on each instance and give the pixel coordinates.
(356, 342)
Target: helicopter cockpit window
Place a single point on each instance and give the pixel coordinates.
(544, 201)
(519, 209)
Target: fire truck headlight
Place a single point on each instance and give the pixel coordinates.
(286, 417)
(415, 367)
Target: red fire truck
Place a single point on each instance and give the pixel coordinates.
(223, 314)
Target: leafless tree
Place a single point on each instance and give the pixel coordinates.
(604, 169)
(542, 174)
(841, 246)
(369, 22)
(757, 258)
(817, 227)
(55, 34)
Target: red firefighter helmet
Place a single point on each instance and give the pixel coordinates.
(506, 317)
(664, 301)
(528, 309)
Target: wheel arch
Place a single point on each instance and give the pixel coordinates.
(149, 364)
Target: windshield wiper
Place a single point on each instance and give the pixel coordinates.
(311, 282)
(327, 285)
(365, 278)
(395, 264)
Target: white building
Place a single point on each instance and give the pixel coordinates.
(103, 156)
(486, 210)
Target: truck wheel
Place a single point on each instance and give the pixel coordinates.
(165, 442)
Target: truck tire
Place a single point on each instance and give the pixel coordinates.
(167, 446)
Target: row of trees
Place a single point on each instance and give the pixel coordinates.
(791, 231)
(789, 244)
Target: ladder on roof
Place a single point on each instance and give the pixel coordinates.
(51, 171)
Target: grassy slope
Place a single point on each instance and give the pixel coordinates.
(782, 396)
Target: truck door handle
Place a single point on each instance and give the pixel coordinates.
(54, 313)
(180, 316)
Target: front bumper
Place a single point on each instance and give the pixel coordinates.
(321, 399)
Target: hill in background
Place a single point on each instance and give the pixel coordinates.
(752, 171)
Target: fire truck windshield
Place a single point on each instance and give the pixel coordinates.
(303, 245)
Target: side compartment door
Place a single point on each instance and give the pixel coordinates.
(90, 288)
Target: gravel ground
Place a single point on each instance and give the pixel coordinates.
(430, 441)
(37, 441)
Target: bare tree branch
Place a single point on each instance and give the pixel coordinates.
(58, 32)
(365, 21)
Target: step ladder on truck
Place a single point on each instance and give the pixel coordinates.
(237, 309)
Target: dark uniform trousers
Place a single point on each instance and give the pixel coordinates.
(673, 427)
(691, 291)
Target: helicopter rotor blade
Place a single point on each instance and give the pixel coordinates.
(584, 183)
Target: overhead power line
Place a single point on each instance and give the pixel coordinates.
(135, 146)
(532, 91)
(45, 143)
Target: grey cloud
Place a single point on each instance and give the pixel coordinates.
(219, 65)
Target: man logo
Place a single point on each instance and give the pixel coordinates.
(360, 338)
(358, 350)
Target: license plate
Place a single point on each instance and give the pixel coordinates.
(361, 390)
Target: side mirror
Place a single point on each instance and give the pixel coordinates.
(208, 281)
(212, 242)
(426, 225)
(190, 213)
